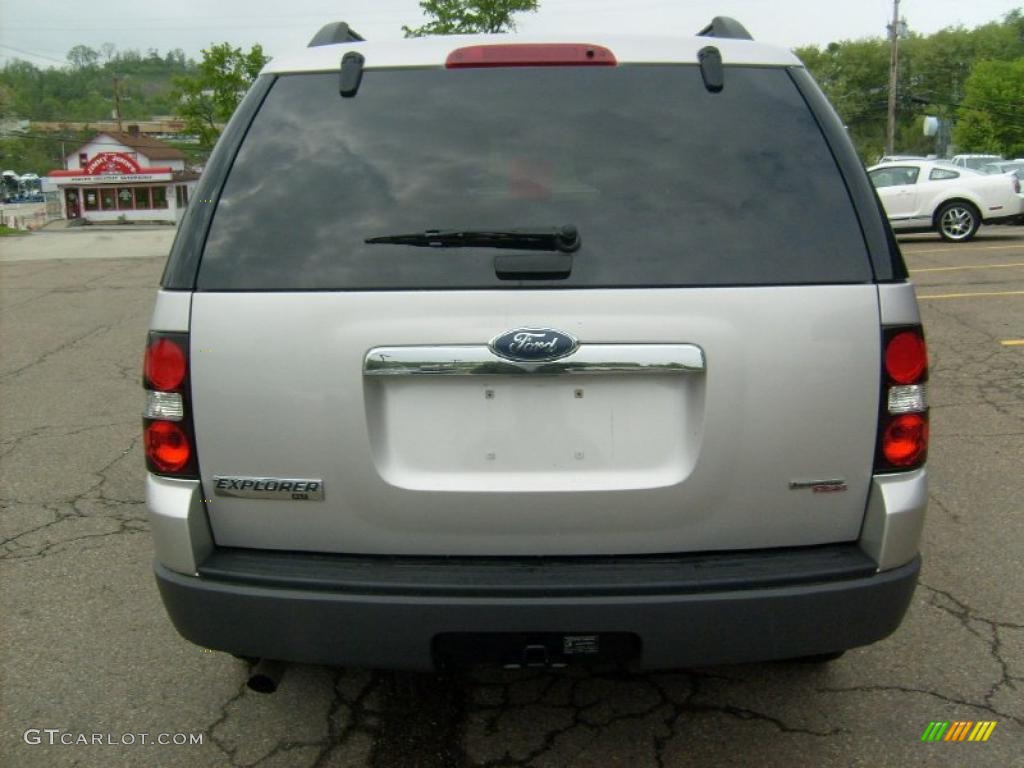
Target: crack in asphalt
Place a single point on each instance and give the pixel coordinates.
(70, 509)
(66, 345)
(211, 729)
(966, 615)
(359, 719)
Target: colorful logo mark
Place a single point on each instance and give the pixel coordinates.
(959, 730)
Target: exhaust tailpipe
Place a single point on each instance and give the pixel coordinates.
(266, 675)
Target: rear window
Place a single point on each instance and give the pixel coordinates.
(666, 183)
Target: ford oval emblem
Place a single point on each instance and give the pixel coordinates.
(533, 345)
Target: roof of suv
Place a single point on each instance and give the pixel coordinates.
(631, 49)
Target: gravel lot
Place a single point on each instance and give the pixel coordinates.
(88, 650)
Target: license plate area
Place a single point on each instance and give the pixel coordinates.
(514, 650)
(529, 434)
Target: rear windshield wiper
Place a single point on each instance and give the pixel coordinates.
(565, 238)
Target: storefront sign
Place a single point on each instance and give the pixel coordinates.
(107, 178)
(112, 163)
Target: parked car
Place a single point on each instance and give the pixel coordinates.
(898, 158)
(532, 356)
(974, 162)
(922, 196)
(1016, 167)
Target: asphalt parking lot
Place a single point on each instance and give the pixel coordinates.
(87, 648)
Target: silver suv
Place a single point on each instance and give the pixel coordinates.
(487, 349)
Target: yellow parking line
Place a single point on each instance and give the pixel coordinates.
(969, 295)
(973, 266)
(952, 246)
(1013, 343)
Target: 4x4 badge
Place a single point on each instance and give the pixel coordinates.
(533, 345)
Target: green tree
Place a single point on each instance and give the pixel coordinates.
(460, 17)
(209, 97)
(990, 115)
(933, 75)
(854, 75)
(83, 57)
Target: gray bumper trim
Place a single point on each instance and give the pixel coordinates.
(676, 630)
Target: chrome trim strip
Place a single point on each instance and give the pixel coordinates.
(587, 359)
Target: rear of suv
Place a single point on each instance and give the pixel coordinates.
(507, 350)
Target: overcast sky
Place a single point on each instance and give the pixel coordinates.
(42, 31)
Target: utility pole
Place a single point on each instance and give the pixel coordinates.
(117, 100)
(894, 63)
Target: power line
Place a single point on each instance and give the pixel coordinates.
(30, 53)
(57, 137)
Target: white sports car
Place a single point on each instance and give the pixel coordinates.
(930, 195)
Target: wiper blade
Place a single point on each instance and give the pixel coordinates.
(565, 239)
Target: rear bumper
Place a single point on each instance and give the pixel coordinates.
(703, 612)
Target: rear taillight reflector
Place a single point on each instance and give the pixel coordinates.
(165, 364)
(167, 446)
(531, 55)
(905, 440)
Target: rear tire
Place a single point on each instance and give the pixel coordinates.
(957, 221)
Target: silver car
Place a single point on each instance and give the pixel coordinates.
(530, 352)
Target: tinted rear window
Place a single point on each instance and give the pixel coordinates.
(667, 184)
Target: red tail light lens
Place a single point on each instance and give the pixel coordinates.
(905, 440)
(531, 55)
(906, 357)
(167, 446)
(165, 365)
(903, 409)
(168, 434)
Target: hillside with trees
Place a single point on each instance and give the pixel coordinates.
(91, 87)
(84, 89)
(970, 78)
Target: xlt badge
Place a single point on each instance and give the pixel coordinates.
(292, 489)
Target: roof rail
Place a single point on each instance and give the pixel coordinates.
(335, 32)
(725, 26)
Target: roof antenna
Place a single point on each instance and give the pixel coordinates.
(711, 68)
(337, 32)
(724, 26)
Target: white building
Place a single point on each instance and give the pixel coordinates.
(126, 177)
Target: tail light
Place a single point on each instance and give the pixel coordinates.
(531, 55)
(903, 412)
(167, 419)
